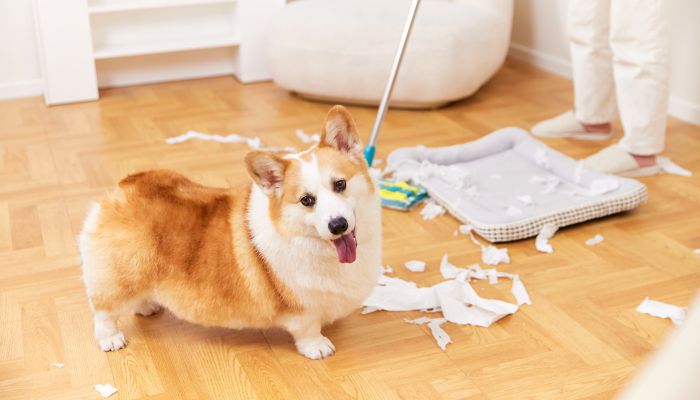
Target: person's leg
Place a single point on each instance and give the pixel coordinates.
(594, 91)
(640, 43)
(591, 60)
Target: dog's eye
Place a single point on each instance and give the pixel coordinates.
(339, 185)
(308, 200)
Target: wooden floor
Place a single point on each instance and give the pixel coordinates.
(580, 339)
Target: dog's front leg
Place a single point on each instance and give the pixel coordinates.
(308, 339)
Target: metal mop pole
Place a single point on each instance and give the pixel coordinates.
(369, 149)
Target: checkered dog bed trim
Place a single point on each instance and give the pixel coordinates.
(570, 216)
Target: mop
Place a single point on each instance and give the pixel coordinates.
(397, 195)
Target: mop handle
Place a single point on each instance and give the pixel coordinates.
(369, 149)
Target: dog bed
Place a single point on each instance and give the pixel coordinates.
(507, 185)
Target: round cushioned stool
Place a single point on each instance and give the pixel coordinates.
(342, 50)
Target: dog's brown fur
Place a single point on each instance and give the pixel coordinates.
(186, 233)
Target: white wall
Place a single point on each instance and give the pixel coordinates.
(19, 63)
(539, 37)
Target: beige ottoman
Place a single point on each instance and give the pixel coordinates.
(342, 50)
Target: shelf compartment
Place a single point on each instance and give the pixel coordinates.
(129, 50)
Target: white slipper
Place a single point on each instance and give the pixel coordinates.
(615, 160)
(566, 126)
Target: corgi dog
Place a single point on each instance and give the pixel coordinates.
(297, 248)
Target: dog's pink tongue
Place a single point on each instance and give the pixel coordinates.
(346, 246)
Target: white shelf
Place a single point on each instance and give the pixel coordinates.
(164, 47)
(129, 5)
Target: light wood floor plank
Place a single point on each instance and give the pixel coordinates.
(580, 339)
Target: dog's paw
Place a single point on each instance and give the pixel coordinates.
(316, 348)
(113, 343)
(148, 309)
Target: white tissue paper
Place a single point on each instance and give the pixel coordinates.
(253, 143)
(696, 251)
(662, 310)
(415, 266)
(441, 337)
(598, 238)
(598, 187)
(492, 255)
(315, 138)
(525, 199)
(550, 182)
(542, 159)
(454, 297)
(465, 229)
(387, 269)
(513, 211)
(542, 239)
(57, 365)
(670, 167)
(431, 210)
(105, 390)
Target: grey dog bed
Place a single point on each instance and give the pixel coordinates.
(489, 182)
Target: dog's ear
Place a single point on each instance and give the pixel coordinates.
(339, 131)
(267, 170)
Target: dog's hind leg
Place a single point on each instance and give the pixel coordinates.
(147, 308)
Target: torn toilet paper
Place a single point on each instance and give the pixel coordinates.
(441, 337)
(490, 255)
(105, 390)
(456, 298)
(513, 211)
(542, 159)
(253, 143)
(431, 210)
(525, 199)
(474, 271)
(598, 238)
(542, 239)
(662, 310)
(550, 182)
(415, 266)
(315, 138)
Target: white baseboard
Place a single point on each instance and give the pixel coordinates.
(13, 90)
(542, 60)
(684, 110)
(677, 107)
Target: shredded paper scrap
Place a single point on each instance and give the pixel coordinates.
(597, 239)
(455, 297)
(253, 143)
(662, 310)
(542, 239)
(105, 390)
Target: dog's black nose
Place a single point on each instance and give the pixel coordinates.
(338, 225)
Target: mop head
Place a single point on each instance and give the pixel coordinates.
(400, 195)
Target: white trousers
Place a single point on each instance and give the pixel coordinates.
(620, 51)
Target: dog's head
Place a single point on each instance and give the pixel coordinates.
(316, 193)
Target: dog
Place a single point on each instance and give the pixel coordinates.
(297, 248)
